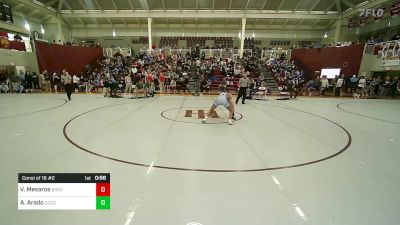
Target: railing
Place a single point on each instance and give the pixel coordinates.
(387, 50)
(223, 53)
(24, 46)
(110, 52)
(275, 53)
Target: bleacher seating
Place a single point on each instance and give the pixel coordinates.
(220, 42)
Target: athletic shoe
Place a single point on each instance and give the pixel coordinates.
(230, 122)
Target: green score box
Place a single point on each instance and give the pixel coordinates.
(103, 203)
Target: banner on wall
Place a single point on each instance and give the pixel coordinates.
(395, 9)
(354, 22)
(394, 62)
(380, 13)
(363, 20)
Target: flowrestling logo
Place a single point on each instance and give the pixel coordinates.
(376, 13)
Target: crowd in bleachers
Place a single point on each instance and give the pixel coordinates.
(192, 42)
(142, 75)
(292, 80)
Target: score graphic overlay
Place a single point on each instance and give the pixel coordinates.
(59, 191)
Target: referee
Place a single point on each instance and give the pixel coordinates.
(243, 84)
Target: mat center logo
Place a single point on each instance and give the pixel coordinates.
(195, 115)
(199, 113)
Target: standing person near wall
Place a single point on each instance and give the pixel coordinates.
(47, 81)
(28, 81)
(56, 82)
(41, 80)
(68, 86)
(339, 85)
(75, 82)
(398, 87)
(128, 84)
(35, 80)
(362, 83)
(22, 78)
(385, 87)
(324, 85)
(14, 82)
(334, 82)
(243, 85)
(162, 81)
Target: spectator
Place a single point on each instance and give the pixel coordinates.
(339, 85)
(35, 80)
(41, 81)
(128, 84)
(4, 88)
(393, 88)
(172, 85)
(75, 82)
(29, 82)
(385, 87)
(47, 81)
(361, 87)
(162, 81)
(56, 82)
(324, 85)
(14, 82)
(353, 85)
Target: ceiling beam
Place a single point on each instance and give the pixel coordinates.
(145, 4)
(298, 5)
(330, 7)
(349, 4)
(81, 21)
(131, 5)
(280, 5)
(83, 5)
(114, 5)
(33, 6)
(197, 5)
(314, 5)
(204, 14)
(60, 4)
(50, 3)
(34, 12)
(109, 21)
(163, 5)
(213, 5)
(68, 7)
(98, 5)
(338, 6)
(20, 5)
(330, 24)
(46, 18)
(300, 22)
(230, 4)
(180, 6)
(286, 21)
(263, 5)
(247, 5)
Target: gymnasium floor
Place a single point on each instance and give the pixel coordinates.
(307, 161)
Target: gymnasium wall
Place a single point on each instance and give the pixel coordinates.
(54, 57)
(348, 58)
(15, 58)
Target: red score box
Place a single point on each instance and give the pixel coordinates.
(102, 189)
